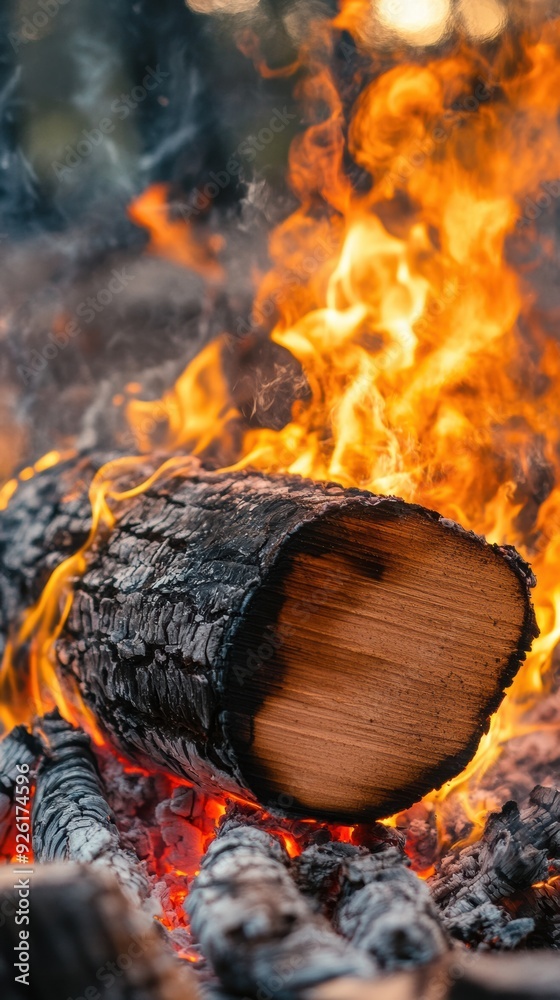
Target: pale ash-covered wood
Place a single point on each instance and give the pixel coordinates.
(259, 933)
(377, 903)
(484, 892)
(18, 754)
(321, 650)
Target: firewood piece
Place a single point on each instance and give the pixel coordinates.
(541, 905)
(85, 940)
(71, 818)
(512, 854)
(388, 911)
(379, 904)
(462, 976)
(18, 748)
(254, 926)
(245, 629)
(490, 925)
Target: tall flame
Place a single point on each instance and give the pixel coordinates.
(432, 373)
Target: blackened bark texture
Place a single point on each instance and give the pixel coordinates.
(71, 818)
(153, 636)
(85, 940)
(256, 929)
(462, 976)
(476, 889)
(18, 750)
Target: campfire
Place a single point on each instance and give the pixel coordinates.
(279, 596)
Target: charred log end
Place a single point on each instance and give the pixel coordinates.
(365, 670)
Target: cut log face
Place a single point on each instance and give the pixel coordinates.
(324, 651)
(393, 636)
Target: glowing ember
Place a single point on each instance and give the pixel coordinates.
(411, 331)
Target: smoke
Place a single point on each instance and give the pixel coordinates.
(93, 110)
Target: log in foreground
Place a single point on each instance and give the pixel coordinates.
(84, 939)
(462, 976)
(325, 651)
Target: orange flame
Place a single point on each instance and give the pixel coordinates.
(431, 371)
(175, 238)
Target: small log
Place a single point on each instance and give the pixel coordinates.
(256, 929)
(376, 902)
(85, 940)
(462, 976)
(71, 819)
(18, 748)
(330, 651)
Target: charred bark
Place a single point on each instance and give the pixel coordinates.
(71, 818)
(231, 623)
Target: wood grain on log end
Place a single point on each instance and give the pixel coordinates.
(390, 635)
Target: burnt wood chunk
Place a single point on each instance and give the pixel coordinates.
(71, 819)
(509, 873)
(322, 650)
(376, 902)
(18, 750)
(85, 940)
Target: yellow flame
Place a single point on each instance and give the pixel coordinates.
(431, 371)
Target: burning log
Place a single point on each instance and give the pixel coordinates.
(84, 939)
(71, 818)
(256, 929)
(325, 651)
